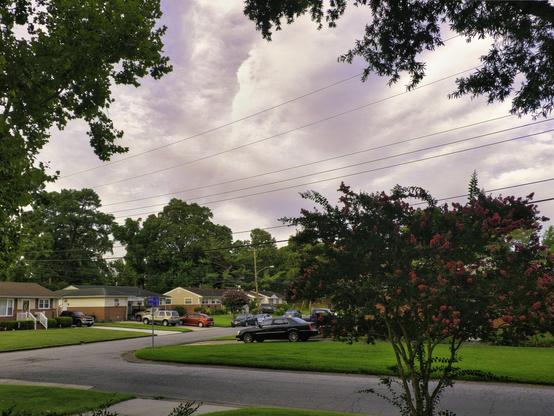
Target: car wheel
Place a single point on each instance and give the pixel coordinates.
(293, 336)
(200, 324)
(165, 323)
(248, 338)
(146, 321)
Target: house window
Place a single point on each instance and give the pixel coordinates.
(44, 303)
(168, 301)
(205, 301)
(217, 301)
(188, 301)
(6, 307)
(116, 302)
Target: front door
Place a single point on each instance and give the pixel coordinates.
(26, 305)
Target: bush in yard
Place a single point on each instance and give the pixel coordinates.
(427, 275)
(52, 323)
(180, 310)
(234, 300)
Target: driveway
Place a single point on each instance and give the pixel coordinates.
(101, 365)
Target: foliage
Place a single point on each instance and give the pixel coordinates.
(180, 310)
(548, 238)
(177, 247)
(63, 239)
(234, 300)
(519, 62)
(185, 409)
(427, 276)
(47, 80)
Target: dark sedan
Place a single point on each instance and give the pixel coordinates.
(293, 329)
(244, 320)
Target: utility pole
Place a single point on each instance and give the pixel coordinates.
(256, 276)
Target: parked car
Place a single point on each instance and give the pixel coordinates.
(141, 314)
(321, 316)
(268, 309)
(197, 319)
(159, 317)
(293, 313)
(262, 317)
(244, 320)
(79, 318)
(293, 329)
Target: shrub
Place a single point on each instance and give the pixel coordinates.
(180, 310)
(219, 311)
(52, 323)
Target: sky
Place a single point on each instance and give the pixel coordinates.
(225, 71)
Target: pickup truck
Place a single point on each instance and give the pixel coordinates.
(159, 317)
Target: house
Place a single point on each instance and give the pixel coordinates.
(105, 303)
(194, 297)
(267, 298)
(21, 301)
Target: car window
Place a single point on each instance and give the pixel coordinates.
(280, 321)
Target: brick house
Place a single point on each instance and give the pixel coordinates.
(105, 303)
(20, 300)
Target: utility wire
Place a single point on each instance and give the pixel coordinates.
(312, 123)
(359, 173)
(221, 126)
(312, 163)
(343, 167)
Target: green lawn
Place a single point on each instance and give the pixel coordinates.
(37, 400)
(139, 325)
(222, 320)
(30, 339)
(518, 364)
(268, 411)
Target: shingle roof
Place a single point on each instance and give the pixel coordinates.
(95, 290)
(267, 293)
(206, 291)
(25, 289)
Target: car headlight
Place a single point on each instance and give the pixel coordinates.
(238, 332)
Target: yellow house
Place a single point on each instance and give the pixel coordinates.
(194, 297)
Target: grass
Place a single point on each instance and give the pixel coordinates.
(222, 320)
(517, 364)
(270, 411)
(63, 401)
(139, 325)
(29, 339)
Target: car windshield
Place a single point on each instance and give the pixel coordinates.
(78, 314)
(299, 321)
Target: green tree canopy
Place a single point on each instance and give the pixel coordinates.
(63, 240)
(520, 60)
(180, 246)
(58, 62)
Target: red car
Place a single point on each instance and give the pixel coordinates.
(197, 319)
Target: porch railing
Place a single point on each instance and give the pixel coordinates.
(28, 316)
(43, 319)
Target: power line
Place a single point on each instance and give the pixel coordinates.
(312, 123)
(358, 173)
(312, 163)
(221, 126)
(345, 166)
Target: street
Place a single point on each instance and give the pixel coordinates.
(103, 366)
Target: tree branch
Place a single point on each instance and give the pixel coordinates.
(541, 9)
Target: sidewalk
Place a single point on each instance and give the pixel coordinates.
(149, 407)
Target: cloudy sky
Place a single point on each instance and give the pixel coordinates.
(224, 71)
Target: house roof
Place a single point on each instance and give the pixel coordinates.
(267, 293)
(108, 291)
(206, 291)
(24, 290)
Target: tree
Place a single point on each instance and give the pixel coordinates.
(548, 238)
(473, 189)
(234, 300)
(421, 277)
(58, 62)
(180, 246)
(64, 238)
(520, 60)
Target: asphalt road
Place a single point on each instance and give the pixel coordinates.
(101, 365)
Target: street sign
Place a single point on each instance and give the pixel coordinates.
(153, 301)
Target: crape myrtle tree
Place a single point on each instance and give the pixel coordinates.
(234, 300)
(520, 60)
(425, 275)
(59, 61)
